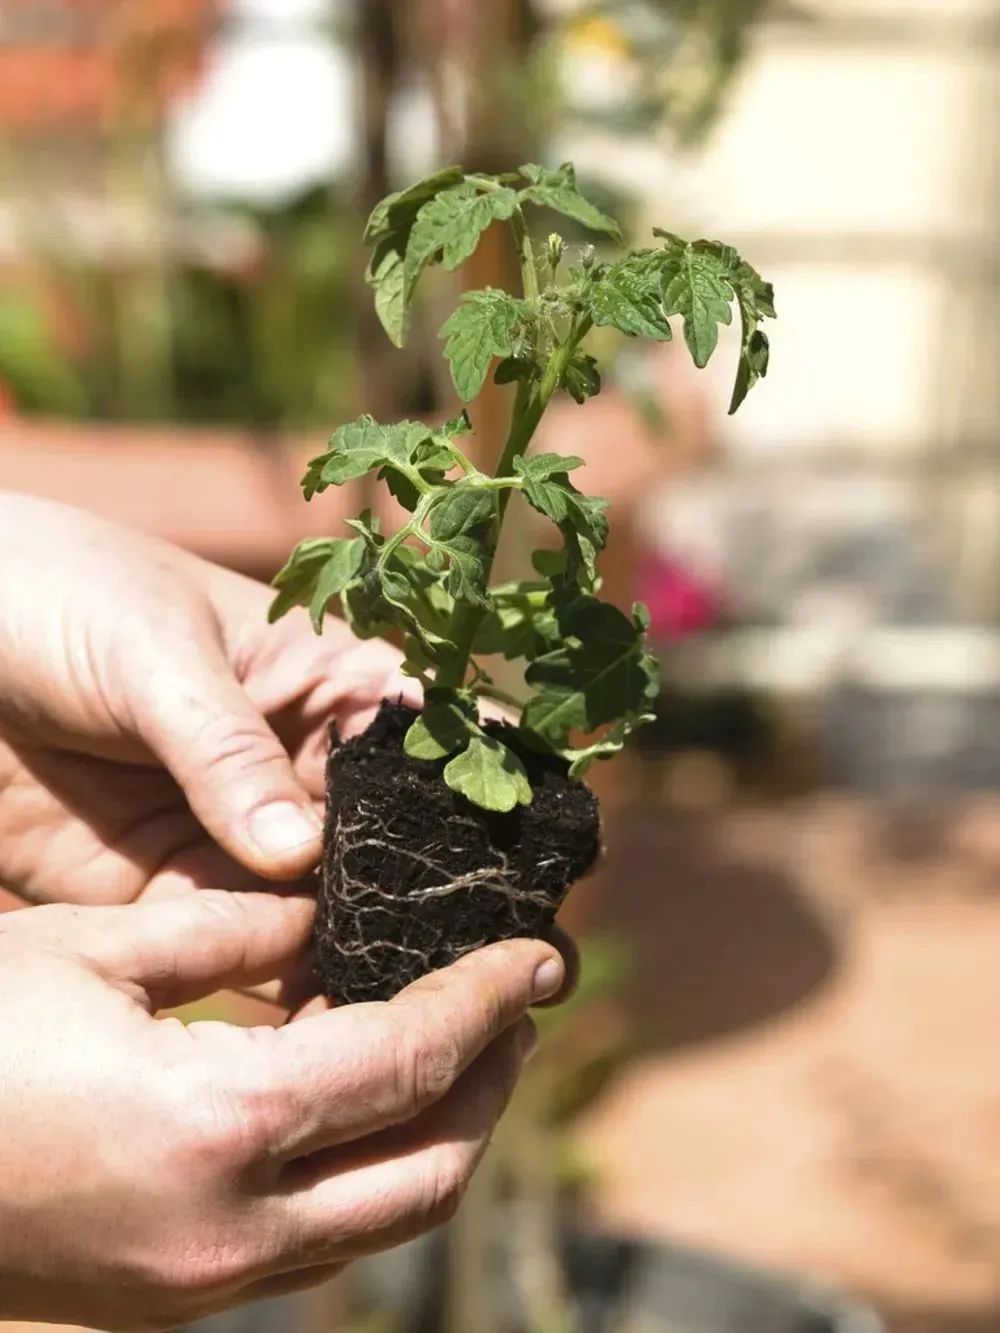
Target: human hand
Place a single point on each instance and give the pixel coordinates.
(156, 734)
(152, 1173)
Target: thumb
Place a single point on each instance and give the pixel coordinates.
(234, 771)
(183, 948)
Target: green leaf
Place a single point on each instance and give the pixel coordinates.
(558, 190)
(297, 583)
(628, 296)
(485, 325)
(407, 448)
(610, 744)
(489, 775)
(701, 280)
(581, 379)
(398, 211)
(466, 577)
(388, 231)
(441, 728)
(448, 227)
(696, 285)
(520, 622)
(463, 508)
(601, 673)
(514, 368)
(343, 567)
(547, 488)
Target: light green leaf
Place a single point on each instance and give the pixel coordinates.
(388, 231)
(558, 190)
(441, 728)
(628, 296)
(696, 286)
(448, 227)
(343, 567)
(296, 582)
(363, 446)
(610, 744)
(398, 211)
(485, 325)
(489, 775)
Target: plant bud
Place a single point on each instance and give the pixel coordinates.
(588, 256)
(556, 246)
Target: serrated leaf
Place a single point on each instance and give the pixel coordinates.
(466, 577)
(462, 509)
(599, 674)
(441, 728)
(483, 326)
(448, 227)
(628, 296)
(405, 448)
(490, 775)
(341, 568)
(696, 286)
(388, 231)
(581, 379)
(547, 488)
(520, 623)
(384, 276)
(399, 210)
(610, 744)
(558, 190)
(296, 582)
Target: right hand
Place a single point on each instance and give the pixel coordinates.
(152, 1173)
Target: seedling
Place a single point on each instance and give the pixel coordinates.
(590, 677)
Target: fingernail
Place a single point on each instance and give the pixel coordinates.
(283, 827)
(548, 978)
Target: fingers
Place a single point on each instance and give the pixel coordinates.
(182, 948)
(235, 773)
(398, 1184)
(566, 945)
(344, 1074)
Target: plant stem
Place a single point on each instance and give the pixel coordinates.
(526, 257)
(528, 411)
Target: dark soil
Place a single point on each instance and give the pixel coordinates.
(415, 876)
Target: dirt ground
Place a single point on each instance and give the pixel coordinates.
(822, 984)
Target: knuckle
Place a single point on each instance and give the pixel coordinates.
(225, 1128)
(445, 1183)
(427, 1066)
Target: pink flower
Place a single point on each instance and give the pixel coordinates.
(680, 603)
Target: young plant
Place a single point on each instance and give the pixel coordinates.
(589, 674)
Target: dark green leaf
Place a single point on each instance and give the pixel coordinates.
(599, 674)
(628, 296)
(580, 517)
(463, 508)
(558, 190)
(514, 368)
(489, 775)
(448, 227)
(483, 326)
(466, 578)
(581, 379)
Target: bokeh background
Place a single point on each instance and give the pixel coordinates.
(786, 1051)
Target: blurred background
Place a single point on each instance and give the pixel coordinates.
(784, 1059)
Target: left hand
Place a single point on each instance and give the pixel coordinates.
(156, 734)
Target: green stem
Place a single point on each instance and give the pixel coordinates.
(525, 256)
(528, 411)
